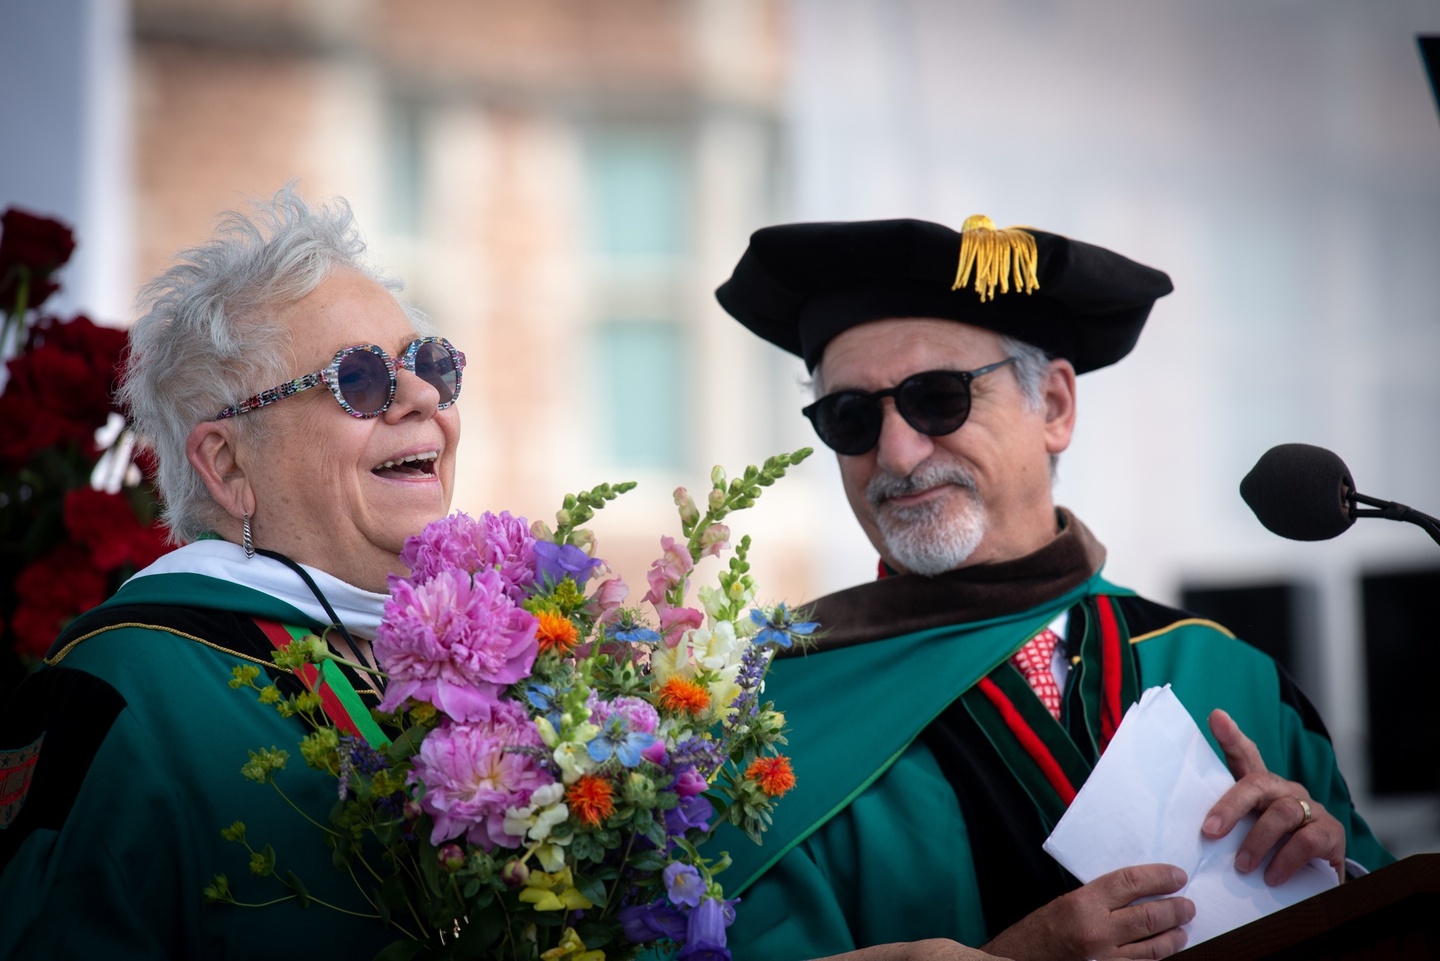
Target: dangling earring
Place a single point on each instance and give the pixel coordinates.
(245, 537)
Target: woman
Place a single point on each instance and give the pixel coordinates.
(291, 504)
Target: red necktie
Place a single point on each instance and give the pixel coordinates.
(1033, 661)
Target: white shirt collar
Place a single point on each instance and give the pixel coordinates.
(359, 610)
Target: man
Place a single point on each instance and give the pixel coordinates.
(930, 768)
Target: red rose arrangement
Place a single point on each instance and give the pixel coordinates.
(76, 516)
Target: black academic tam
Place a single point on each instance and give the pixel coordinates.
(800, 285)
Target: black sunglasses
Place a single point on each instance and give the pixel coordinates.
(362, 378)
(934, 402)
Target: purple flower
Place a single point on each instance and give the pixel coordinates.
(656, 753)
(683, 884)
(638, 713)
(473, 772)
(705, 932)
(691, 814)
(554, 561)
(460, 542)
(454, 642)
(689, 783)
(649, 922)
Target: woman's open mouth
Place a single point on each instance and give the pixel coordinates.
(410, 466)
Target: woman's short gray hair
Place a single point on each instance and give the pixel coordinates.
(206, 338)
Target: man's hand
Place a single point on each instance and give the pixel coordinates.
(1101, 920)
(934, 949)
(1288, 816)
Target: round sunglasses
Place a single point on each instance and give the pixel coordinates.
(362, 378)
(934, 402)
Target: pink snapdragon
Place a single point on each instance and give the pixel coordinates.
(607, 599)
(668, 570)
(460, 542)
(454, 641)
(675, 621)
(472, 774)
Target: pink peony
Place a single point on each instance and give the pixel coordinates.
(473, 772)
(454, 641)
(460, 542)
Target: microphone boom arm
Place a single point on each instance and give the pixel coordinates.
(1392, 511)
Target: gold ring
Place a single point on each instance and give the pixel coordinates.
(1308, 815)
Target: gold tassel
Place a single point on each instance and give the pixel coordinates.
(997, 257)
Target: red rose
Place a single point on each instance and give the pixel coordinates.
(107, 526)
(53, 591)
(31, 246)
(66, 377)
(26, 427)
(102, 347)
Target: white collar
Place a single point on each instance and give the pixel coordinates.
(359, 610)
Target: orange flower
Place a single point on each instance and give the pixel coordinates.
(680, 695)
(773, 774)
(556, 632)
(591, 799)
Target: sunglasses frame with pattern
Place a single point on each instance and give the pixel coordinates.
(333, 377)
(849, 421)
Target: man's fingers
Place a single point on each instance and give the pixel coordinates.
(1142, 922)
(1241, 754)
(1119, 888)
(1246, 795)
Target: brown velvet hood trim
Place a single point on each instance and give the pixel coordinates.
(905, 603)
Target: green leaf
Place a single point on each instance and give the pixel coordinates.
(302, 893)
(592, 888)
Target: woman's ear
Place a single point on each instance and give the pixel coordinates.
(1058, 397)
(211, 450)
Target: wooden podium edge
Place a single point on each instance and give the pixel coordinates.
(1416, 875)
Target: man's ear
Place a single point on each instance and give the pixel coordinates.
(1057, 396)
(211, 450)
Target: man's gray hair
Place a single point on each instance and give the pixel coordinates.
(206, 336)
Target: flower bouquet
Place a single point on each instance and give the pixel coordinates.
(554, 757)
(76, 516)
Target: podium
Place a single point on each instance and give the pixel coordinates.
(1389, 915)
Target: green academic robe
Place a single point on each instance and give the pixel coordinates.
(110, 847)
(928, 773)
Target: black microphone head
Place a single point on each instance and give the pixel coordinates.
(1300, 492)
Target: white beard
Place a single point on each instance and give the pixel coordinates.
(936, 536)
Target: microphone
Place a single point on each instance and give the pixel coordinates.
(1306, 493)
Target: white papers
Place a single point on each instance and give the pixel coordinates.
(1144, 804)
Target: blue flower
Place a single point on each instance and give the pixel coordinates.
(616, 740)
(683, 884)
(691, 814)
(553, 562)
(542, 697)
(705, 932)
(647, 922)
(627, 628)
(777, 627)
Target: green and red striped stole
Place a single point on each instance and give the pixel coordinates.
(1049, 761)
(338, 697)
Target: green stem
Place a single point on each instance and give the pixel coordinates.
(301, 812)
